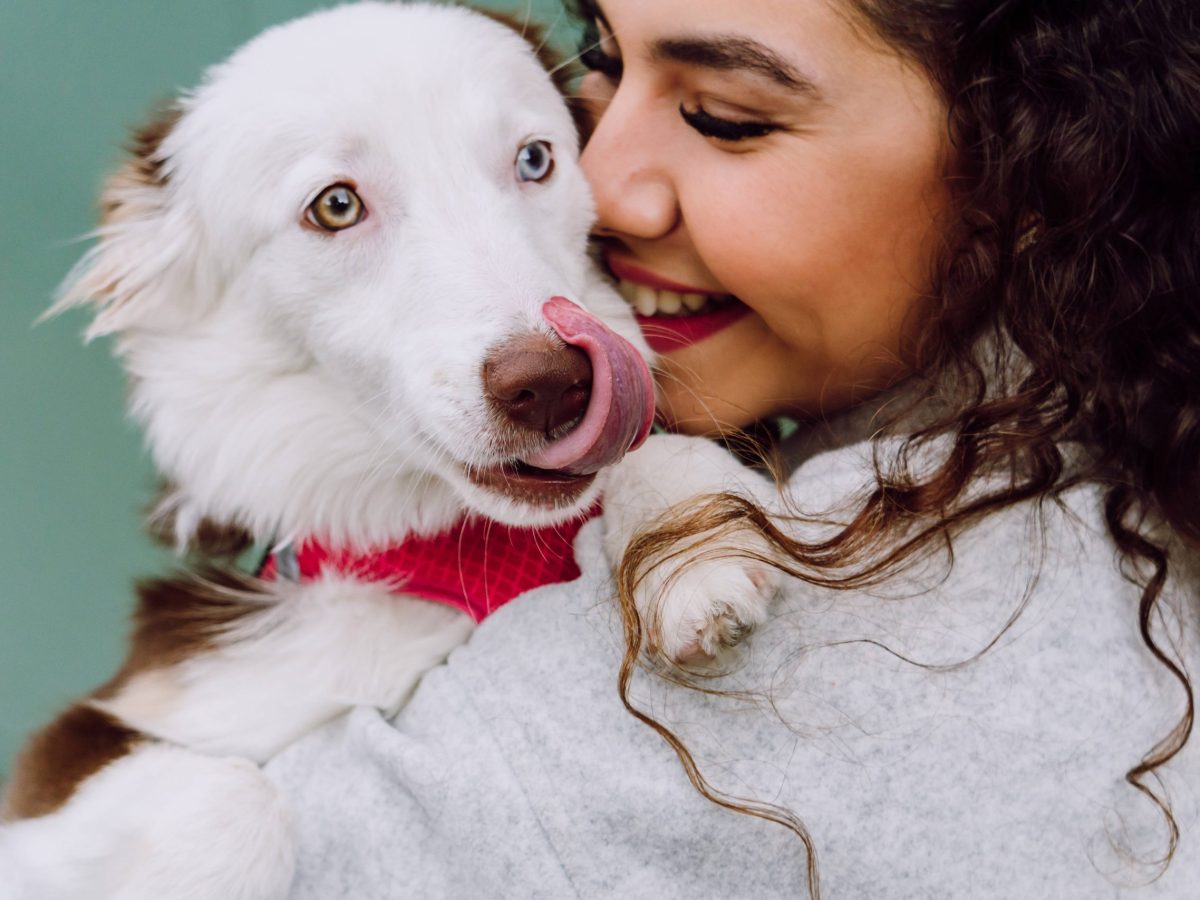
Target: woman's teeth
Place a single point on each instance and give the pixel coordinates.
(650, 302)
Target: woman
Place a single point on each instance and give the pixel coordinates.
(959, 242)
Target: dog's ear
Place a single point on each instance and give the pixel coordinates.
(562, 72)
(142, 242)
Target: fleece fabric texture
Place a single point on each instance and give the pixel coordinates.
(515, 772)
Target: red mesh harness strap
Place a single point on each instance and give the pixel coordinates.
(476, 565)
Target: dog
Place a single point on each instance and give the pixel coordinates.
(348, 277)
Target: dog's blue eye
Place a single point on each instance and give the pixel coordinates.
(336, 208)
(535, 161)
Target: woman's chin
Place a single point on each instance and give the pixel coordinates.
(699, 407)
(726, 382)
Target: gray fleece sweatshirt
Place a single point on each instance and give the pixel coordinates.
(515, 772)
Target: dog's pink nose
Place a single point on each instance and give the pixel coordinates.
(537, 382)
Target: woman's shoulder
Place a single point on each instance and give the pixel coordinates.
(928, 736)
(1050, 550)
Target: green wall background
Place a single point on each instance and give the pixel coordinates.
(75, 75)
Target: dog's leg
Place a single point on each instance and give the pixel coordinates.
(705, 594)
(148, 789)
(162, 821)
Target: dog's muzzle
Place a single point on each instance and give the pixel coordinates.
(594, 377)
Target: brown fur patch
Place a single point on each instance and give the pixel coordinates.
(212, 539)
(183, 616)
(56, 760)
(215, 539)
(147, 142)
(176, 619)
(562, 74)
(145, 167)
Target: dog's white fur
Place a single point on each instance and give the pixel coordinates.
(298, 384)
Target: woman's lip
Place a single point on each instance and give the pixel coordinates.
(629, 272)
(667, 333)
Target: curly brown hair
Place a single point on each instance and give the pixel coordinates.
(1076, 136)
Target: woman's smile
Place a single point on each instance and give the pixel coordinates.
(673, 315)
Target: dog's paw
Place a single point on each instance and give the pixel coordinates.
(706, 600)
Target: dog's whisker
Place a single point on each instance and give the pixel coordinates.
(366, 401)
(401, 466)
(387, 420)
(487, 587)
(380, 454)
(719, 424)
(549, 29)
(528, 17)
(420, 474)
(540, 542)
(571, 60)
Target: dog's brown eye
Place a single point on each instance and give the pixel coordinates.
(336, 208)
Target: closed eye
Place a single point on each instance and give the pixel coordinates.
(594, 56)
(724, 129)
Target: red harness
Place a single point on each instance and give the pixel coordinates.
(477, 565)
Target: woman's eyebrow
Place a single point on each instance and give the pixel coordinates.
(733, 53)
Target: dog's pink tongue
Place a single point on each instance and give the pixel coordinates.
(621, 408)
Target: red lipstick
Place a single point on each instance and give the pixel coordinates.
(665, 333)
(629, 272)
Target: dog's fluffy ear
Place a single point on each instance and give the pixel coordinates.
(142, 242)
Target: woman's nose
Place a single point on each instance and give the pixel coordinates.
(624, 163)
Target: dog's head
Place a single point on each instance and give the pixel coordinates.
(350, 270)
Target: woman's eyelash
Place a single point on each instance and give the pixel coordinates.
(611, 67)
(724, 129)
(594, 58)
(597, 60)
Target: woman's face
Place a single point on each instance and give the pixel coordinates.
(776, 152)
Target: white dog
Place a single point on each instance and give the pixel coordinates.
(348, 278)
